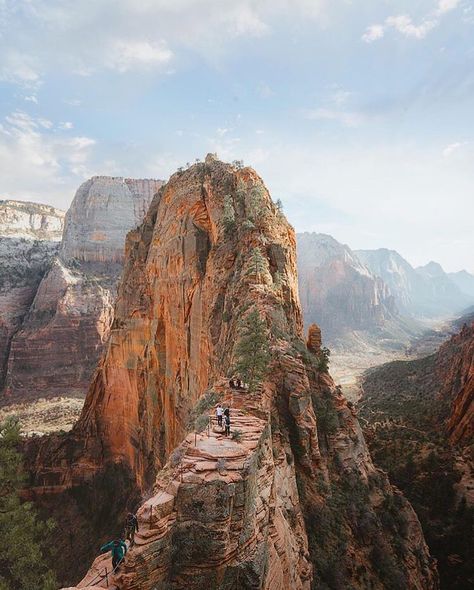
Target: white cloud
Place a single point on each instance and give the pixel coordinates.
(403, 23)
(453, 147)
(37, 160)
(373, 33)
(125, 55)
(83, 38)
(66, 125)
(31, 98)
(19, 68)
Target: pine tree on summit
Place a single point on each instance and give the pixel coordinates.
(252, 351)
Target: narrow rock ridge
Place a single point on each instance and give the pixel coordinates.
(222, 513)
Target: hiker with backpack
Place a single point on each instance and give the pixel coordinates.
(118, 547)
(227, 422)
(131, 525)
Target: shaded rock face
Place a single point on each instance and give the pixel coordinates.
(420, 426)
(455, 368)
(424, 292)
(282, 504)
(349, 302)
(29, 239)
(61, 338)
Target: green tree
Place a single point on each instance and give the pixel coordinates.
(228, 216)
(252, 351)
(323, 360)
(258, 264)
(279, 205)
(23, 535)
(256, 211)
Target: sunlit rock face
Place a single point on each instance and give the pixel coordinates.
(29, 239)
(55, 350)
(103, 211)
(294, 500)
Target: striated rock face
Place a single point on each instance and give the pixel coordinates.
(61, 338)
(103, 211)
(293, 500)
(33, 221)
(455, 364)
(29, 239)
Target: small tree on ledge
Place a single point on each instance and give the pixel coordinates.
(252, 351)
(258, 264)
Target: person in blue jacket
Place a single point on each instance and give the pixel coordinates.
(118, 548)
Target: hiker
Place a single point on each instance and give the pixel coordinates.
(232, 383)
(239, 384)
(227, 421)
(118, 548)
(131, 525)
(219, 413)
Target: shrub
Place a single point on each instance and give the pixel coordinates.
(236, 435)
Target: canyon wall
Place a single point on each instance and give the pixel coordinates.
(29, 239)
(419, 418)
(56, 349)
(423, 292)
(293, 499)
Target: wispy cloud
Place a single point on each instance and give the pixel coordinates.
(35, 157)
(125, 55)
(453, 147)
(403, 23)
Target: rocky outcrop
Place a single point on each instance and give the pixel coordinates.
(29, 239)
(61, 338)
(424, 292)
(292, 500)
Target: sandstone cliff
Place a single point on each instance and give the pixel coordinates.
(293, 500)
(29, 239)
(61, 338)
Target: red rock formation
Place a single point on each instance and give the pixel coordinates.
(245, 513)
(455, 363)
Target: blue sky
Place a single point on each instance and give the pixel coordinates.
(358, 114)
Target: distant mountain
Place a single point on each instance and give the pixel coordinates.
(464, 280)
(424, 292)
(341, 294)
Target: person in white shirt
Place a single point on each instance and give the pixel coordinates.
(219, 413)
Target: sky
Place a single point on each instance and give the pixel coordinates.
(358, 115)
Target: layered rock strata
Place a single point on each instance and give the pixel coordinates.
(293, 500)
(29, 239)
(61, 338)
